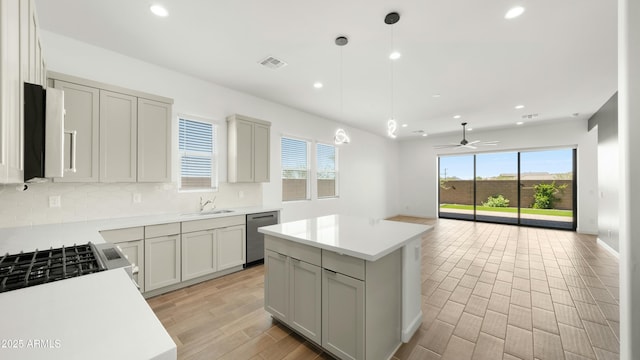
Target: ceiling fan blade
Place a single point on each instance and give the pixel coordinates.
(489, 144)
(469, 146)
(473, 142)
(446, 146)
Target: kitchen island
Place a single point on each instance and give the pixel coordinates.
(351, 285)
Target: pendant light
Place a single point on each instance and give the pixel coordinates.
(341, 136)
(392, 125)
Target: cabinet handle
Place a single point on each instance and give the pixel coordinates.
(72, 150)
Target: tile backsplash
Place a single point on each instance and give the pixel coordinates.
(90, 201)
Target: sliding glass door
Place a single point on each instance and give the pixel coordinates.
(456, 187)
(534, 188)
(497, 187)
(547, 188)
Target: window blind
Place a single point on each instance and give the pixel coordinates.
(198, 162)
(295, 169)
(327, 170)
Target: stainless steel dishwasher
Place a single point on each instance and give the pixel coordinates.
(255, 240)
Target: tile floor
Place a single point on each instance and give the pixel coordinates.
(489, 292)
(505, 292)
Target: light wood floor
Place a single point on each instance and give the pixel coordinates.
(489, 292)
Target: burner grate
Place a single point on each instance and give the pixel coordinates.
(39, 267)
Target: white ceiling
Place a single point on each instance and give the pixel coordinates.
(557, 59)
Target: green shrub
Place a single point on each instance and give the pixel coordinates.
(545, 196)
(496, 201)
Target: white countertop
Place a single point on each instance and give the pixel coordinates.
(30, 238)
(364, 238)
(97, 316)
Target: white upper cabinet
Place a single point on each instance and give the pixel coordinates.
(82, 106)
(21, 60)
(248, 142)
(118, 137)
(122, 135)
(154, 141)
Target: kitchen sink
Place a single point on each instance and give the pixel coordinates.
(210, 212)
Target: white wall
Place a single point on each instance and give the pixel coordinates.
(419, 164)
(368, 179)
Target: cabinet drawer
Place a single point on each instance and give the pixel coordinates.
(344, 264)
(306, 253)
(119, 235)
(152, 231)
(215, 223)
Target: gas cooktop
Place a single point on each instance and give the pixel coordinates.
(43, 266)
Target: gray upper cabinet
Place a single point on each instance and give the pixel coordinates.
(154, 141)
(82, 106)
(122, 135)
(118, 137)
(248, 142)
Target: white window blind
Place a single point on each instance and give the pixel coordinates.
(198, 158)
(295, 169)
(327, 170)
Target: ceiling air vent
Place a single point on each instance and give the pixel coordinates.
(530, 116)
(272, 63)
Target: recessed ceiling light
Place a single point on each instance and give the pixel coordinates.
(514, 12)
(395, 55)
(457, 116)
(317, 85)
(405, 125)
(520, 123)
(159, 10)
(435, 96)
(519, 107)
(424, 135)
(469, 129)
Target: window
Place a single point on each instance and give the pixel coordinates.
(327, 170)
(295, 169)
(198, 155)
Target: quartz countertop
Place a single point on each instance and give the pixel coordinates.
(360, 237)
(29, 238)
(96, 316)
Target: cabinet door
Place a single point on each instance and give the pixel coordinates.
(11, 94)
(134, 252)
(305, 296)
(118, 137)
(154, 141)
(261, 153)
(161, 262)
(342, 315)
(276, 285)
(198, 254)
(230, 246)
(82, 106)
(244, 148)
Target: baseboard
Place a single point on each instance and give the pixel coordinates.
(608, 248)
(587, 232)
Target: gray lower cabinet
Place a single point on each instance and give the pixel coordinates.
(348, 306)
(230, 246)
(305, 295)
(276, 284)
(198, 254)
(343, 315)
(162, 256)
(134, 252)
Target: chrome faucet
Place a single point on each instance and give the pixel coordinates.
(202, 205)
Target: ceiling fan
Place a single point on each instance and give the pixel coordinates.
(465, 143)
